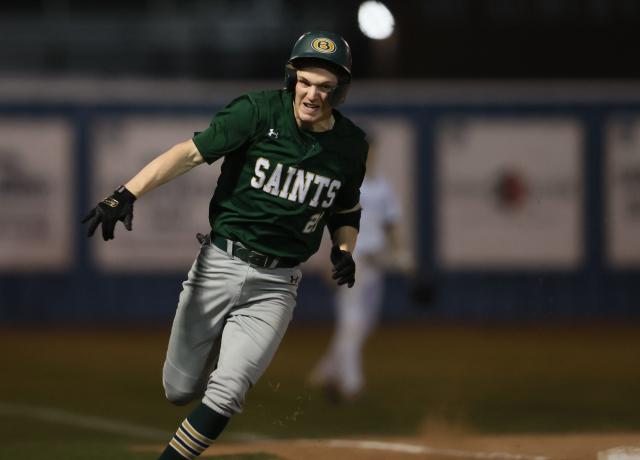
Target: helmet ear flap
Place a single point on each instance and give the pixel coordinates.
(339, 95)
(290, 77)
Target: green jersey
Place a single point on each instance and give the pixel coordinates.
(279, 183)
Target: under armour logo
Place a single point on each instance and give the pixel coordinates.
(273, 134)
(294, 279)
(111, 202)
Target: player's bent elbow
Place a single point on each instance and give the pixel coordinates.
(192, 153)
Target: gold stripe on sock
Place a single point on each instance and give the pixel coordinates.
(202, 444)
(181, 450)
(190, 442)
(193, 432)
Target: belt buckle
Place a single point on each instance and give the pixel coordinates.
(257, 259)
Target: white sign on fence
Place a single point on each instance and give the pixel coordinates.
(36, 182)
(509, 193)
(623, 192)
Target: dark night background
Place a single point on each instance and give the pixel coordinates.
(246, 39)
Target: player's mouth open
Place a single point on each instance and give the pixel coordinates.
(311, 107)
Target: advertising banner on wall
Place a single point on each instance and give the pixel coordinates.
(166, 219)
(509, 193)
(393, 157)
(622, 148)
(36, 180)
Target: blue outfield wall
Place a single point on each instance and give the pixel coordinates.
(85, 294)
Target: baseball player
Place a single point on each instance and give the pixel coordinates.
(292, 165)
(339, 372)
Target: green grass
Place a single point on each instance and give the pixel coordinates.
(488, 379)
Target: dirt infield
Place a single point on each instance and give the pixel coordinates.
(442, 446)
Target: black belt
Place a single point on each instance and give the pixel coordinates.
(250, 256)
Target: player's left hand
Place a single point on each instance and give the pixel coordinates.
(114, 208)
(344, 268)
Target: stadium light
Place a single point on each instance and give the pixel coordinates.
(375, 20)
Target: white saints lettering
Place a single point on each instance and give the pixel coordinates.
(294, 184)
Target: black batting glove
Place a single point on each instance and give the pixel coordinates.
(114, 208)
(344, 268)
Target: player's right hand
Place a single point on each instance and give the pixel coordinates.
(344, 268)
(114, 208)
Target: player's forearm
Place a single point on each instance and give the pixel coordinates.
(343, 229)
(394, 239)
(174, 162)
(345, 237)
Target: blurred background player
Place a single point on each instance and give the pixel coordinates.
(380, 248)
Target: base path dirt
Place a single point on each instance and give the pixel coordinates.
(444, 446)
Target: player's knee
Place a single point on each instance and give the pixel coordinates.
(176, 396)
(179, 389)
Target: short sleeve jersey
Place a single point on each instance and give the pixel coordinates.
(279, 183)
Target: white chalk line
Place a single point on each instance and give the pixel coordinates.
(61, 417)
(105, 425)
(620, 453)
(426, 450)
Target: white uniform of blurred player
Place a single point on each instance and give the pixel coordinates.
(340, 371)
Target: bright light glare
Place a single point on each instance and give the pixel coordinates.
(375, 20)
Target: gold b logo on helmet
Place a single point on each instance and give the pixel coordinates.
(323, 45)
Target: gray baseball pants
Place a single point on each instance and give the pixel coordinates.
(229, 322)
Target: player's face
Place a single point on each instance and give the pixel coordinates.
(311, 104)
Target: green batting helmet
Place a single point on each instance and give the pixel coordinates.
(325, 49)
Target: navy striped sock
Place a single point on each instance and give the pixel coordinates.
(195, 434)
